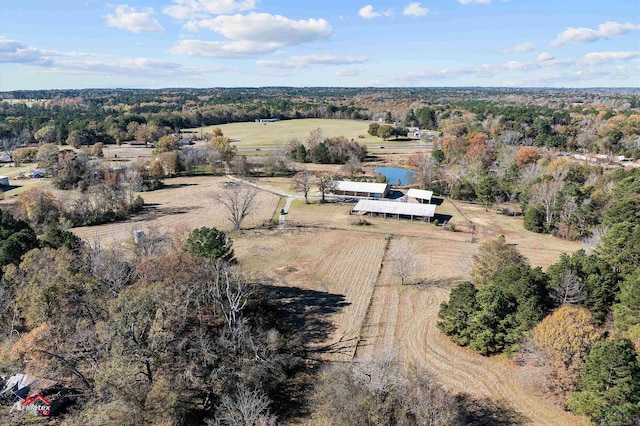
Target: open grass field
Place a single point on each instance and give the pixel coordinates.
(19, 185)
(250, 136)
(185, 203)
(323, 263)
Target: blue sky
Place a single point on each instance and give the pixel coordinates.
(47, 44)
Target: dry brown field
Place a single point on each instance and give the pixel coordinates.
(185, 203)
(324, 264)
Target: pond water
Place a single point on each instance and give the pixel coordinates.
(393, 174)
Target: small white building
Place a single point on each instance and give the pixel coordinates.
(4, 181)
(420, 195)
(361, 189)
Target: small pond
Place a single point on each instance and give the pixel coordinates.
(395, 174)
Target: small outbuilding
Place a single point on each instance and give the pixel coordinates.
(4, 181)
(361, 189)
(39, 396)
(397, 210)
(420, 195)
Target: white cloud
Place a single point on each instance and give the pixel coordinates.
(609, 29)
(424, 77)
(326, 59)
(367, 12)
(267, 28)
(520, 48)
(474, 1)
(415, 9)
(281, 65)
(318, 59)
(594, 58)
(130, 19)
(521, 66)
(545, 56)
(223, 49)
(349, 72)
(544, 60)
(189, 9)
(15, 52)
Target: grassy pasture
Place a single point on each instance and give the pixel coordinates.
(250, 136)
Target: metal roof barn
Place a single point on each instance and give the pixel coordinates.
(420, 195)
(396, 209)
(361, 189)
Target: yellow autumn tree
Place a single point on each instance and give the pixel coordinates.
(565, 338)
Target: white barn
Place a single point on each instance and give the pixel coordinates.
(361, 189)
(420, 195)
(396, 209)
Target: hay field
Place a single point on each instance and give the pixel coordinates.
(331, 264)
(186, 203)
(402, 319)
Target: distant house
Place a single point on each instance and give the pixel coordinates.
(361, 189)
(185, 141)
(266, 120)
(38, 173)
(39, 396)
(428, 134)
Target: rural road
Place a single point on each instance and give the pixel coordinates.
(285, 210)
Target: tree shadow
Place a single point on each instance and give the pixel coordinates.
(177, 185)
(487, 412)
(308, 311)
(154, 211)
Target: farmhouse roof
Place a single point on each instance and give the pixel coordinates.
(25, 385)
(420, 194)
(377, 188)
(394, 207)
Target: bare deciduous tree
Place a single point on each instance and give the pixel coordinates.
(427, 171)
(229, 291)
(238, 202)
(246, 407)
(10, 144)
(326, 184)
(301, 182)
(568, 290)
(511, 137)
(403, 260)
(597, 232)
(110, 266)
(546, 193)
(353, 167)
(314, 138)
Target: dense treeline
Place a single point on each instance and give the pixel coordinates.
(591, 367)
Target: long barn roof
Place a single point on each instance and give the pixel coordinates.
(394, 207)
(377, 188)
